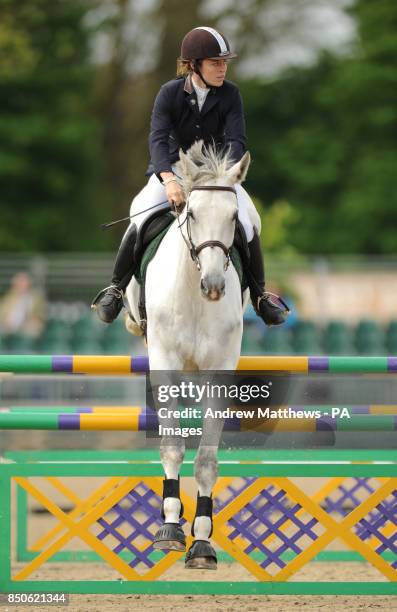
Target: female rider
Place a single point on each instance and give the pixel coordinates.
(197, 105)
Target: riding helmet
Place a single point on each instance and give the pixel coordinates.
(204, 43)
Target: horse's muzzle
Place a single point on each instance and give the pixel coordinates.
(212, 289)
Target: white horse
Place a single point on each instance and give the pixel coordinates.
(195, 322)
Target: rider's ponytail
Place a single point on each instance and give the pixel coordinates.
(183, 67)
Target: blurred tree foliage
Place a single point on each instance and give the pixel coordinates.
(74, 123)
(324, 139)
(48, 139)
(126, 86)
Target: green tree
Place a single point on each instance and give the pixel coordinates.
(324, 139)
(126, 86)
(47, 134)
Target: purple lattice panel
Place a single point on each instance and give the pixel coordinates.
(269, 525)
(382, 526)
(377, 518)
(231, 492)
(131, 524)
(349, 495)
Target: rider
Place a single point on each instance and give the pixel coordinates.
(199, 104)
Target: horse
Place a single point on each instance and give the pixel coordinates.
(194, 312)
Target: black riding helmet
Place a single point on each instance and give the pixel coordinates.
(204, 43)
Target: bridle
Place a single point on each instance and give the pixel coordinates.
(196, 250)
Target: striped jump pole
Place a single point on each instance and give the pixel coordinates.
(141, 420)
(126, 364)
(325, 409)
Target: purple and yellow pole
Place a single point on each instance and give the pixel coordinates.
(137, 419)
(125, 364)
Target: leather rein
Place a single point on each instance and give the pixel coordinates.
(196, 250)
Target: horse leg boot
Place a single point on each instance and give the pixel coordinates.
(264, 308)
(201, 554)
(170, 536)
(109, 301)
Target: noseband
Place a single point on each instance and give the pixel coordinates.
(196, 250)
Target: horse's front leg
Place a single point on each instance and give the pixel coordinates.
(201, 554)
(170, 536)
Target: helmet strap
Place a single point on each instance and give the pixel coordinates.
(197, 70)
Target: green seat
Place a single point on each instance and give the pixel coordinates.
(114, 330)
(86, 346)
(119, 347)
(88, 329)
(369, 338)
(391, 338)
(337, 339)
(55, 346)
(305, 338)
(57, 332)
(252, 339)
(276, 341)
(20, 343)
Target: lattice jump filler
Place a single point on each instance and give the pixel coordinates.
(267, 523)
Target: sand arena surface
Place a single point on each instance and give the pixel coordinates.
(317, 571)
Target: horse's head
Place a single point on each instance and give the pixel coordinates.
(211, 212)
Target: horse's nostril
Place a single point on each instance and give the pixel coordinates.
(203, 286)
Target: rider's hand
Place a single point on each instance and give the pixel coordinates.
(175, 193)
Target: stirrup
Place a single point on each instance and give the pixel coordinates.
(273, 299)
(115, 290)
(271, 308)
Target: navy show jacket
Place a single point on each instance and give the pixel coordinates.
(177, 122)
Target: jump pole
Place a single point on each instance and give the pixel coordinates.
(147, 421)
(325, 409)
(126, 364)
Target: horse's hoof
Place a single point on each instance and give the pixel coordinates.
(170, 536)
(201, 555)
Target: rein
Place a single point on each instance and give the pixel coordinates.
(196, 250)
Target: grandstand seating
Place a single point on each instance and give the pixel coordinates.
(337, 339)
(368, 338)
(83, 333)
(391, 338)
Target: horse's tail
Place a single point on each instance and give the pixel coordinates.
(132, 326)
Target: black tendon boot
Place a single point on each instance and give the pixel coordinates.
(266, 305)
(109, 301)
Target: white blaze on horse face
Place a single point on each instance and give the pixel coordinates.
(213, 219)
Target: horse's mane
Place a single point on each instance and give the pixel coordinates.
(202, 164)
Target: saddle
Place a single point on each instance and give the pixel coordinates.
(149, 238)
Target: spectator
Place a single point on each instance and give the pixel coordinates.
(22, 308)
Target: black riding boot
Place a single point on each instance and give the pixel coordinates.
(262, 302)
(109, 301)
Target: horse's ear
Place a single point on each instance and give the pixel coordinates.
(238, 172)
(187, 166)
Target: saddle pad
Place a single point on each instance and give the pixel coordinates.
(148, 255)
